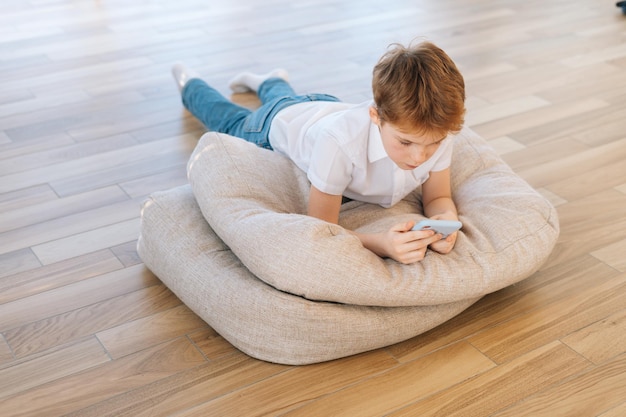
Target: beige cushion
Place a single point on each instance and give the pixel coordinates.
(287, 288)
(178, 245)
(254, 199)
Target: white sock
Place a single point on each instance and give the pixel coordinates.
(247, 81)
(182, 74)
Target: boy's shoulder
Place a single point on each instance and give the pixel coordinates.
(351, 123)
(353, 111)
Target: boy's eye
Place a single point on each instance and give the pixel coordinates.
(405, 143)
(436, 143)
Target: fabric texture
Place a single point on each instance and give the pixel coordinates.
(255, 201)
(236, 247)
(178, 245)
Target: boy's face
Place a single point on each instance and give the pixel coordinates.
(406, 149)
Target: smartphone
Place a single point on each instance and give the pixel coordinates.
(445, 227)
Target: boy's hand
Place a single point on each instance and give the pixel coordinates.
(444, 246)
(408, 246)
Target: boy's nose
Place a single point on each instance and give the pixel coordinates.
(419, 154)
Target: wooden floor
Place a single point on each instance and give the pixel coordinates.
(91, 123)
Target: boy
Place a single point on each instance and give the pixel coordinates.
(377, 152)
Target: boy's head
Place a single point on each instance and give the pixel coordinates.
(419, 88)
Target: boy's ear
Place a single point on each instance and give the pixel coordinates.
(374, 115)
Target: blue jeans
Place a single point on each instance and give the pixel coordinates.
(219, 114)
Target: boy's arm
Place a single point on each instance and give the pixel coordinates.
(324, 206)
(437, 196)
(438, 204)
(399, 242)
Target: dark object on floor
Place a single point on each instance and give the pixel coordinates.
(622, 4)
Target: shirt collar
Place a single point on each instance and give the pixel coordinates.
(375, 149)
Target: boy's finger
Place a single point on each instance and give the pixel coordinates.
(436, 238)
(402, 227)
(421, 234)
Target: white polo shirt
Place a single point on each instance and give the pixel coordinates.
(341, 151)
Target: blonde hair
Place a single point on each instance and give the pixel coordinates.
(419, 87)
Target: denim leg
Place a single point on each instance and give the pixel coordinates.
(274, 88)
(219, 114)
(215, 111)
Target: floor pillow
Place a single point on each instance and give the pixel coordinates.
(254, 199)
(179, 246)
(250, 203)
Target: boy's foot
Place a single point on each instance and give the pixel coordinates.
(247, 81)
(182, 74)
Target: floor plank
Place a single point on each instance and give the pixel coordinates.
(587, 394)
(105, 381)
(79, 294)
(38, 279)
(413, 381)
(91, 123)
(502, 386)
(545, 324)
(602, 340)
(295, 387)
(73, 359)
(95, 318)
(139, 334)
(185, 389)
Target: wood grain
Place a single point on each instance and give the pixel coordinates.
(105, 381)
(136, 335)
(412, 381)
(55, 365)
(36, 278)
(602, 340)
(286, 390)
(533, 329)
(91, 123)
(92, 319)
(587, 394)
(503, 385)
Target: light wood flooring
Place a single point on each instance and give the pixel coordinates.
(91, 123)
